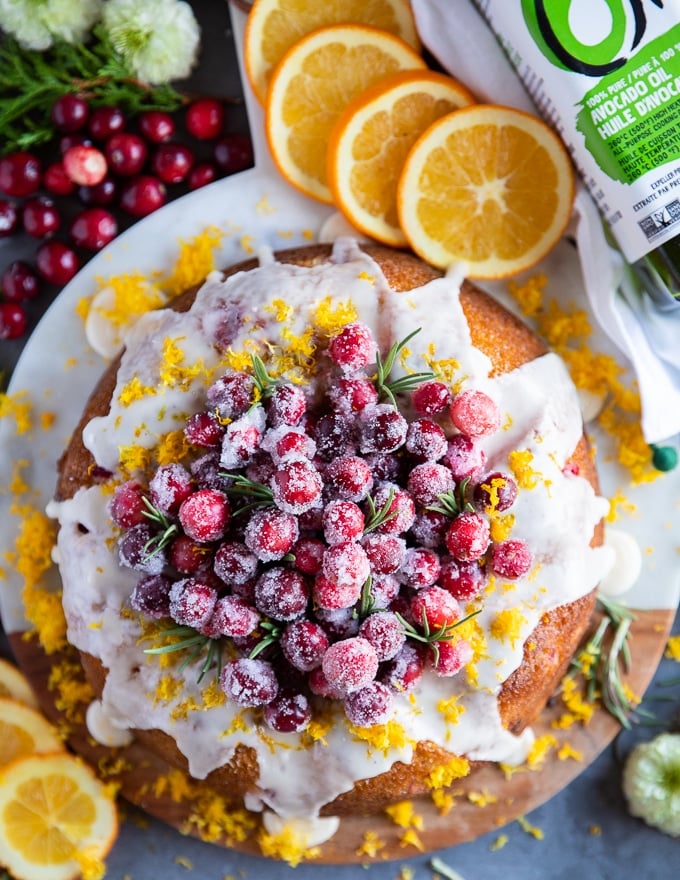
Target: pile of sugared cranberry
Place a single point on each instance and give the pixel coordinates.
(331, 550)
(110, 165)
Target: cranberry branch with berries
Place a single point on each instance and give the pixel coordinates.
(328, 551)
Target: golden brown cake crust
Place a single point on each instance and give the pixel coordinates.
(508, 343)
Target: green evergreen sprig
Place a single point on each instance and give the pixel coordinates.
(431, 637)
(194, 642)
(258, 494)
(453, 502)
(378, 516)
(161, 540)
(406, 383)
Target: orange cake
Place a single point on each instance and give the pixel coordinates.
(327, 524)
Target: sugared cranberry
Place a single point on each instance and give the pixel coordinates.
(288, 713)
(19, 281)
(404, 671)
(151, 595)
(192, 602)
(189, 556)
(170, 485)
(156, 126)
(281, 593)
(202, 174)
(511, 559)
(57, 263)
(233, 152)
(232, 616)
(383, 429)
(369, 705)
(204, 429)
(339, 623)
(231, 395)
(249, 682)
(234, 563)
(138, 549)
(465, 458)
(100, 194)
(334, 436)
(429, 528)
(385, 552)
(353, 347)
(420, 567)
(350, 664)
(304, 643)
(464, 580)
(172, 162)
(204, 118)
(342, 521)
(496, 492)
(435, 608)
(57, 181)
(270, 534)
(385, 632)
(451, 656)
(467, 538)
(105, 121)
(308, 553)
(431, 398)
(475, 414)
(287, 405)
(205, 514)
(69, 112)
(85, 165)
(128, 507)
(400, 511)
(242, 439)
(9, 219)
(20, 174)
(352, 394)
(349, 478)
(13, 320)
(346, 566)
(426, 440)
(285, 443)
(93, 228)
(126, 153)
(297, 486)
(40, 217)
(428, 481)
(142, 195)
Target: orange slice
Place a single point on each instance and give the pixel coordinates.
(370, 141)
(15, 685)
(273, 26)
(56, 819)
(312, 85)
(488, 186)
(24, 731)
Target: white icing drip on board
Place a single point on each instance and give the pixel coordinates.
(540, 411)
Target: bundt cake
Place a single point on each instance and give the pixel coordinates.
(329, 523)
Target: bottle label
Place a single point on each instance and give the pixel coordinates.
(606, 75)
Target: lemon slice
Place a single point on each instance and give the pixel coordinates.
(15, 685)
(24, 731)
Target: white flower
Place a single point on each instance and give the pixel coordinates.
(651, 782)
(37, 23)
(158, 39)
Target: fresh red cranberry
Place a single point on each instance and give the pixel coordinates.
(192, 602)
(385, 632)
(142, 195)
(297, 486)
(205, 515)
(204, 118)
(350, 664)
(106, 121)
(233, 152)
(270, 534)
(467, 538)
(464, 580)
(304, 643)
(385, 552)
(20, 174)
(429, 480)
(288, 712)
(126, 153)
(99, 195)
(475, 414)
(170, 485)
(204, 429)
(19, 281)
(93, 228)
(281, 593)
(85, 165)
(342, 521)
(189, 556)
(40, 217)
(13, 320)
(156, 126)
(235, 564)
(151, 595)
(353, 348)
(511, 559)
(127, 505)
(369, 705)
(434, 608)
(73, 140)
(57, 181)
(451, 656)
(172, 162)
(202, 174)
(431, 398)
(70, 112)
(496, 492)
(249, 682)
(232, 616)
(57, 263)
(349, 477)
(383, 429)
(9, 219)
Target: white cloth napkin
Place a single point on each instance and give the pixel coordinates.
(457, 36)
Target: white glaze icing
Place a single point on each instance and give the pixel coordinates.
(540, 412)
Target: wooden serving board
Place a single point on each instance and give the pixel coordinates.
(137, 771)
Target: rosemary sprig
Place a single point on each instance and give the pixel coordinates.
(196, 643)
(31, 81)
(389, 389)
(431, 637)
(160, 541)
(602, 660)
(453, 502)
(376, 517)
(367, 600)
(273, 634)
(259, 494)
(264, 383)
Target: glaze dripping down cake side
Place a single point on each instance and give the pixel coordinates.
(360, 494)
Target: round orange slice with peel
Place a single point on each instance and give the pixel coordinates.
(312, 85)
(15, 685)
(57, 820)
(491, 187)
(274, 26)
(371, 139)
(24, 731)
